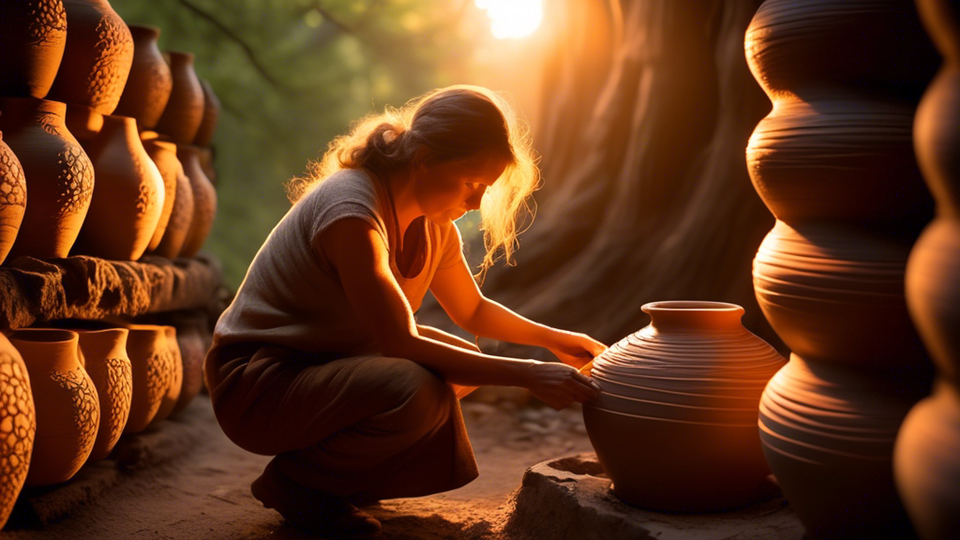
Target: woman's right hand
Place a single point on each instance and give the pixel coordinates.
(559, 385)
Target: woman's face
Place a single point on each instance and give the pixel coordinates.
(449, 190)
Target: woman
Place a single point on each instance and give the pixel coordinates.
(319, 360)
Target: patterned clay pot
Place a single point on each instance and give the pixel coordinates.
(128, 198)
(204, 201)
(150, 82)
(68, 409)
(58, 172)
(13, 198)
(175, 384)
(675, 426)
(97, 58)
(192, 352)
(181, 215)
(211, 113)
(33, 34)
(164, 156)
(152, 363)
(18, 426)
(104, 356)
(184, 111)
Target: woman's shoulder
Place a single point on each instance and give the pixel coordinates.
(345, 182)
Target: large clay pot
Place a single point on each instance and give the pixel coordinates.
(192, 352)
(58, 172)
(33, 34)
(104, 356)
(68, 409)
(175, 384)
(204, 201)
(184, 111)
(675, 424)
(207, 164)
(13, 198)
(84, 123)
(150, 82)
(211, 113)
(153, 372)
(164, 156)
(97, 58)
(128, 198)
(181, 216)
(18, 426)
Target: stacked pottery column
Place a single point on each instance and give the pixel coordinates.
(834, 163)
(927, 458)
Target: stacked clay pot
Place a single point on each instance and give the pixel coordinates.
(18, 426)
(33, 35)
(66, 401)
(833, 162)
(13, 198)
(675, 426)
(164, 156)
(927, 454)
(204, 200)
(58, 174)
(104, 356)
(183, 114)
(148, 88)
(154, 373)
(175, 381)
(193, 349)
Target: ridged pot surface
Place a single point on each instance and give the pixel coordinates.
(13, 198)
(18, 426)
(151, 363)
(175, 380)
(104, 355)
(33, 35)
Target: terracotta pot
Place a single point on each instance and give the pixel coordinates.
(97, 58)
(926, 464)
(828, 434)
(13, 198)
(192, 353)
(211, 113)
(58, 172)
(181, 216)
(184, 111)
(128, 198)
(104, 356)
(68, 410)
(18, 426)
(164, 156)
(84, 123)
(675, 424)
(33, 34)
(152, 363)
(206, 163)
(175, 381)
(150, 82)
(204, 201)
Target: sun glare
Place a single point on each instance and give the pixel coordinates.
(512, 18)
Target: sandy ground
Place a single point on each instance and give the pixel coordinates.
(205, 493)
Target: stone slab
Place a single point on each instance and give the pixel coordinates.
(570, 497)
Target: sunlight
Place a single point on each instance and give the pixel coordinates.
(512, 18)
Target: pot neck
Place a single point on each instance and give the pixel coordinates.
(144, 34)
(47, 349)
(17, 111)
(694, 316)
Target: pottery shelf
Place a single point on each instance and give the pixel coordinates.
(81, 287)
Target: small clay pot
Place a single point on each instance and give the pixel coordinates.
(207, 164)
(181, 216)
(183, 114)
(128, 198)
(58, 172)
(150, 83)
(204, 201)
(211, 113)
(18, 426)
(33, 34)
(153, 373)
(175, 366)
(192, 353)
(13, 198)
(68, 409)
(104, 356)
(164, 156)
(97, 58)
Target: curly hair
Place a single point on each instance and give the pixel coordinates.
(459, 123)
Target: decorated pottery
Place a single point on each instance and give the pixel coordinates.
(13, 198)
(211, 113)
(128, 198)
(18, 426)
(175, 384)
(181, 215)
(164, 156)
(148, 87)
(33, 34)
(58, 172)
(192, 352)
(97, 58)
(184, 113)
(204, 201)
(153, 373)
(104, 356)
(68, 409)
(675, 426)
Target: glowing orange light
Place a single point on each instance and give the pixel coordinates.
(512, 18)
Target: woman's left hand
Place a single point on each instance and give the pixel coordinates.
(575, 349)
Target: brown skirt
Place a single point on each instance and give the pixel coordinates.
(362, 426)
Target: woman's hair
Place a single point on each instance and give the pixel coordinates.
(454, 124)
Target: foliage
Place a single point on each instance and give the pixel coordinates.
(290, 76)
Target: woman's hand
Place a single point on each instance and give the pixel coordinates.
(575, 349)
(559, 385)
